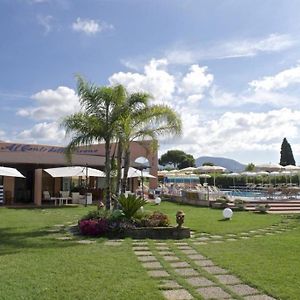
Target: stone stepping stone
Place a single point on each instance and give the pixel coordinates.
(169, 284)
(162, 248)
(170, 258)
(186, 272)
(161, 244)
(112, 243)
(259, 297)
(139, 243)
(181, 244)
(213, 292)
(203, 239)
(152, 265)
(86, 242)
(179, 264)
(192, 251)
(215, 270)
(59, 225)
(245, 237)
(142, 248)
(158, 273)
(147, 258)
(199, 243)
(257, 235)
(217, 242)
(165, 253)
(143, 253)
(231, 234)
(244, 289)
(199, 281)
(204, 263)
(180, 294)
(253, 231)
(228, 279)
(64, 238)
(245, 233)
(216, 236)
(269, 233)
(185, 248)
(196, 256)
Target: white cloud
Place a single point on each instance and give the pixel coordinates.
(45, 22)
(230, 49)
(43, 133)
(52, 104)
(90, 26)
(279, 81)
(195, 83)
(155, 80)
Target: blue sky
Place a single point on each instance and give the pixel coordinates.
(230, 68)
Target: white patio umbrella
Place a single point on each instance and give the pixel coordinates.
(269, 167)
(274, 174)
(133, 173)
(233, 176)
(264, 173)
(212, 169)
(74, 171)
(204, 176)
(188, 169)
(10, 172)
(248, 174)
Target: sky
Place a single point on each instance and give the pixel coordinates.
(230, 68)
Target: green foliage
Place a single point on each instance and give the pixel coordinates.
(177, 158)
(262, 208)
(286, 154)
(97, 214)
(156, 219)
(208, 163)
(239, 204)
(250, 167)
(131, 204)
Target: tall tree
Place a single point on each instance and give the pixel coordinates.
(179, 159)
(250, 167)
(286, 154)
(98, 120)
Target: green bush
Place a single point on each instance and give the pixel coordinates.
(262, 208)
(131, 204)
(156, 219)
(239, 204)
(97, 214)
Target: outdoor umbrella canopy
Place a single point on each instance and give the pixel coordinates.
(75, 171)
(10, 172)
(133, 173)
(269, 167)
(233, 176)
(212, 169)
(188, 169)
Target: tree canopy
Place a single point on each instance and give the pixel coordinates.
(286, 154)
(177, 158)
(250, 167)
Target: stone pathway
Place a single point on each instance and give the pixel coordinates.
(183, 273)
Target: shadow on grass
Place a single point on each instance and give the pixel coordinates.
(13, 241)
(224, 220)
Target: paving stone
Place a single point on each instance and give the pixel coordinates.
(112, 243)
(204, 263)
(203, 238)
(161, 244)
(259, 297)
(216, 236)
(147, 258)
(86, 242)
(231, 234)
(181, 244)
(243, 289)
(257, 235)
(269, 233)
(253, 231)
(158, 273)
(189, 251)
(162, 248)
(143, 253)
(199, 243)
(53, 230)
(231, 240)
(185, 248)
(244, 233)
(186, 272)
(245, 237)
(179, 264)
(170, 258)
(217, 242)
(142, 248)
(59, 225)
(169, 284)
(152, 265)
(215, 270)
(180, 294)
(196, 256)
(165, 253)
(213, 292)
(64, 238)
(139, 243)
(199, 281)
(228, 279)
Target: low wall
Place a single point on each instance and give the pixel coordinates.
(187, 198)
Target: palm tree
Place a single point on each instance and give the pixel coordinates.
(141, 121)
(101, 108)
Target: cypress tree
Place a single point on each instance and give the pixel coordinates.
(286, 154)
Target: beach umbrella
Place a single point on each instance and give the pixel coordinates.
(133, 173)
(211, 169)
(248, 174)
(263, 173)
(292, 169)
(233, 176)
(74, 171)
(205, 176)
(10, 172)
(268, 167)
(188, 169)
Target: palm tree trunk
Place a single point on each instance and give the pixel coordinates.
(119, 171)
(107, 170)
(126, 168)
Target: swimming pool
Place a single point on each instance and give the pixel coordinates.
(244, 194)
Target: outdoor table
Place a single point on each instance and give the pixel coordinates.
(60, 200)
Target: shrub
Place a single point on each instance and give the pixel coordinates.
(223, 202)
(97, 214)
(262, 208)
(239, 204)
(131, 204)
(156, 219)
(93, 227)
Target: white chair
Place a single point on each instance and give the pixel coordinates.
(64, 197)
(47, 197)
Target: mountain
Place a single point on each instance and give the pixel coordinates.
(230, 164)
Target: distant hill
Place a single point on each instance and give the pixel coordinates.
(230, 164)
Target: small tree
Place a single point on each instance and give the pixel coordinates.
(208, 163)
(286, 154)
(250, 167)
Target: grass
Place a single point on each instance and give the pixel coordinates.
(35, 265)
(211, 220)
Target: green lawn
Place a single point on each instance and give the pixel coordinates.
(34, 265)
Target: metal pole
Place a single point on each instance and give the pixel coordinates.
(142, 184)
(86, 183)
